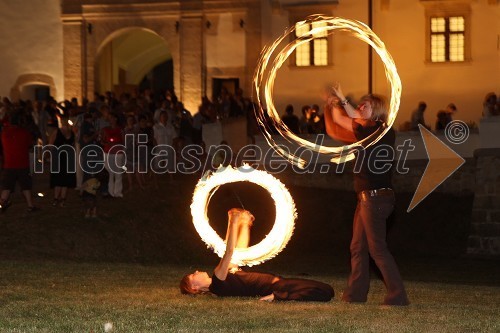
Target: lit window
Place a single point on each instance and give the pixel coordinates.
(314, 52)
(447, 39)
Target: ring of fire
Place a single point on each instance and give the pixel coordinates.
(283, 226)
(265, 75)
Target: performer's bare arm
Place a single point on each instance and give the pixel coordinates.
(237, 236)
(231, 239)
(245, 221)
(351, 111)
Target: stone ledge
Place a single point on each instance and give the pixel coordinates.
(484, 246)
(484, 152)
(485, 229)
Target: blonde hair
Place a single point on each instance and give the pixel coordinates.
(379, 108)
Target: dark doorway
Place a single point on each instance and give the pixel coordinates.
(231, 85)
(42, 93)
(35, 92)
(160, 78)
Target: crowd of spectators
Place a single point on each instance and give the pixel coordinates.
(491, 108)
(139, 119)
(144, 119)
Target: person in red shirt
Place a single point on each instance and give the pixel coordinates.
(114, 155)
(16, 142)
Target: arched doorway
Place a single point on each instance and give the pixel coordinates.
(134, 58)
(34, 86)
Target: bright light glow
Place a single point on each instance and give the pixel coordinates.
(271, 61)
(70, 123)
(40, 194)
(283, 226)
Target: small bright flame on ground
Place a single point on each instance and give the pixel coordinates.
(283, 226)
(271, 61)
(40, 194)
(70, 123)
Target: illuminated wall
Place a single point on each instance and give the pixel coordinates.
(225, 48)
(402, 27)
(348, 57)
(225, 40)
(30, 44)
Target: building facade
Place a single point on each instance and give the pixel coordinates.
(446, 51)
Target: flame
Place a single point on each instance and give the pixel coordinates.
(271, 61)
(283, 226)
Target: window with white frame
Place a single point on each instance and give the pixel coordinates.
(314, 52)
(447, 38)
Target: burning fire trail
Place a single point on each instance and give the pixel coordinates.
(283, 226)
(271, 61)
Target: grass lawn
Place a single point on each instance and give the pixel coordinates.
(60, 272)
(83, 297)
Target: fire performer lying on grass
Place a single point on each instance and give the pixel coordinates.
(229, 280)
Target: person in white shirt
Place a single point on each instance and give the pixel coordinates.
(164, 134)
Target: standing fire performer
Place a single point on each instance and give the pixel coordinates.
(229, 280)
(375, 195)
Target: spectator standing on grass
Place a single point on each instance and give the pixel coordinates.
(303, 123)
(444, 117)
(146, 144)
(52, 112)
(131, 132)
(63, 173)
(102, 121)
(316, 123)
(291, 120)
(199, 119)
(16, 143)
(164, 106)
(114, 157)
(243, 104)
(185, 125)
(164, 135)
(417, 117)
(40, 116)
(88, 140)
(490, 106)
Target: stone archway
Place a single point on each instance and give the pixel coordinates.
(92, 25)
(105, 31)
(184, 25)
(133, 52)
(34, 78)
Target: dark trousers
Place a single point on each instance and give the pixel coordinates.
(369, 239)
(303, 290)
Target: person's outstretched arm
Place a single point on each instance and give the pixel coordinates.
(349, 109)
(334, 130)
(231, 238)
(245, 223)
